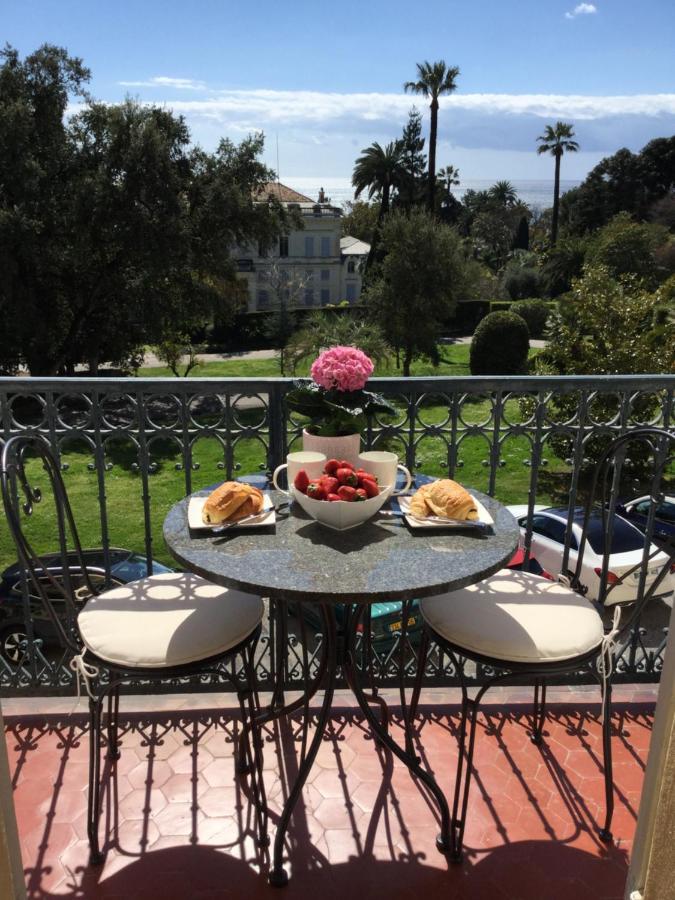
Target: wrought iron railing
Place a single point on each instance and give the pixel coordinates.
(131, 447)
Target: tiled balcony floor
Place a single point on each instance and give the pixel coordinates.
(183, 826)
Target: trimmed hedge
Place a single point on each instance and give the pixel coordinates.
(535, 313)
(500, 345)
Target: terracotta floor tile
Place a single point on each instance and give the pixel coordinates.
(185, 824)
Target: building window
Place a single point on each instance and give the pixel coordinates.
(325, 246)
(309, 297)
(309, 246)
(325, 296)
(351, 292)
(262, 249)
(283, 245)
(325, 274)
(245, 265)
(263, 299)
(351, 267)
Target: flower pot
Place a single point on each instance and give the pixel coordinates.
(346, 446)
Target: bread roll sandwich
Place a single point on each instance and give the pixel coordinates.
(444, 498)
(232, 501)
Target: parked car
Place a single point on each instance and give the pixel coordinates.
(548, 535)
(125, 566)
(385, 619)
(636, 511)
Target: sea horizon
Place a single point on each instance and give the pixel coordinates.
(537, 193)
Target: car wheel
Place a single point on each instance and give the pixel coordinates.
(11, 639)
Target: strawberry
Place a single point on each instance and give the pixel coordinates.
(347, 476)
(346, 492)
(345, 464)
(361, 473)
(360, 494)
(370, 487)
(334, 497)
(316, 491)
(329, 483)
(301, 481)
(331, 467)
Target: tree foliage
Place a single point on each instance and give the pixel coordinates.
(114, 232)
(500, 345)
(625, 247)
(422, 276)
(337, 328)
(624, 182)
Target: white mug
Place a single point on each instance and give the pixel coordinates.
(309, 460)
(384, 465)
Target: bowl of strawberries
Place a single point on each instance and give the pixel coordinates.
(342, 497)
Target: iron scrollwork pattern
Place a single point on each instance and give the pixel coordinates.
(520, 439)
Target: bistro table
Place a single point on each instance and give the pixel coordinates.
(301, 561)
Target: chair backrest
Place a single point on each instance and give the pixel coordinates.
(642, 457)
(55, 578)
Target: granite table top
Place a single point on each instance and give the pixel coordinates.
(298, 559)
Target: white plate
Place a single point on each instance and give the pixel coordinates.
(483, 516)
(196, 504)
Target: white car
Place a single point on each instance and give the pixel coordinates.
(548, 537)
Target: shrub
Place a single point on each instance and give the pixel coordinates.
(500, 345)
(523, 282)
(535, 313)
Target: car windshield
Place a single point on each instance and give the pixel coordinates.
(624, 538)
(136, 567)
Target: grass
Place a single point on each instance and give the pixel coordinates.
(123, 485)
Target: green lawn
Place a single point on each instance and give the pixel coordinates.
(168, 483)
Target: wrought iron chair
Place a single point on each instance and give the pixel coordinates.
(168, 626)
(525, 627)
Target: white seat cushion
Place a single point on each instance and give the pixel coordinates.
(516, 617)
(167, 620)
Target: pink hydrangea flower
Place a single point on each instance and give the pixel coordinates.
(342, 369)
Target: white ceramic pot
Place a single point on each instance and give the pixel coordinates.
(346, 446)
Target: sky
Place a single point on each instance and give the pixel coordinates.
(324, 80)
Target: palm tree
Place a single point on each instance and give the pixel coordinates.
(433, 80)
(557, 141)
(503, 193)
(378, 170)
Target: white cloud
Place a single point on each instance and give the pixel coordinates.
(582, 9)
(181, 84)
(257, 108)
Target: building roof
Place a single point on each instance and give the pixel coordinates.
(282, 193)
(351, 246)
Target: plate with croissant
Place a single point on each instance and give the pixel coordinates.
(233, 504)
(444, 504)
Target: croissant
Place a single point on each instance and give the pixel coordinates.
(444, 498)
(231, 501)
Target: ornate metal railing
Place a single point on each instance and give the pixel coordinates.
(131, 447)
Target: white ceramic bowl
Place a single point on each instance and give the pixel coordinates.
(341, 514)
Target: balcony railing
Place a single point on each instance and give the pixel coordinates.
(132, 447)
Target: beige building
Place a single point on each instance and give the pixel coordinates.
(313, 267)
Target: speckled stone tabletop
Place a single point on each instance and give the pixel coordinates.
(383, 559)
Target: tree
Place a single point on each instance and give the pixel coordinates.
(562, 264)
(287, 287)
(113, 232)
(378, 170)
(625, 182)
(557, 140)
(360, 220)
(433, 80)
(625, 247)
(422, 276)
(413, 162)
(337, 328)
(36, 162)
(609, 326)
(503, 193)
(178, 350)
